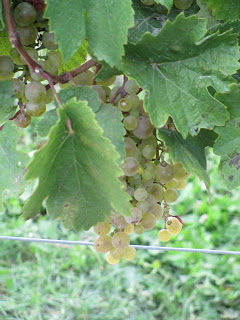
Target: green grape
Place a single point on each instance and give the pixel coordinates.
(100, 91)
(180, 173)
(124, 105)
(130, 123)
(138, 229)
(152, 202)
(137, 154)
(170, 195)
(129, 254)
(172, 184)
(118, 221)
(110, 259)
(143, 206)
(148, 174)
(160, 8)
(164, 235)
(134, 180)
(24, 14)
(14, 53)
(107, 82)
(157, 191)
(19, 87)
(144, 129)
(129, 229)
(147, 2)
(117, 253)
(133, 100)
(140, 194)
(35, 92)
(48, 40)
(49, 96)
(135, 217)
(130, 146)
(148, 221)
(23, 120)
(131, 87)
(50, 67)
(152, 141)
(130, 166)
(181, 184)
(147, 183)
(182, 4)
(27, 35)
(141, 110)
(164, 172)
(158, 212)
(102, 228)
(84, 78)
(36, 109)
(55, 57)
(134, 113)
(173, 225)
(32, 53)
(151, 166)
(120, 240)
(148, 151)
(103, 244)
(6, 67)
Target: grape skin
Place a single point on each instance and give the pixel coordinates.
(164, 235)
(173, 225)
(170, 195)
(103, 244)
(120, 240)
(129, 254)
(110, 259)
(6, 67)
(23, 120)
(24, 14)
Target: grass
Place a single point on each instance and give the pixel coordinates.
(52, 282)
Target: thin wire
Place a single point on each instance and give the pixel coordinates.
(85, 243)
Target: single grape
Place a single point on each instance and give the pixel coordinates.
(158, 212)
(148, 221)
(130, 123)
(110, 259)
(118, 221)
(164, 235)
(23, 120)
(130, 166)
(55, 57)
(173, 225)
(144, 129)
(50, 67)
(28, 34)
(117, 253)
(24, 14)
(143, 206)
(164, 172)
(19, 87)
(135, 180)
(148, 174)
(6, 67)
(140, 194)
(130, 146)
(172, 184)
(133, 100)
(137, 154)
(107, 82)
(102, 228)
(157, 191)
(36, 109)
(124, 105)
(49, 96)
(84, 78)
(103, 244)
(120, 240)
(135, 217)
(181, 184)
(48, 40)
(129, 229)
(138, 229)
(182, 4)
(160, 8)
(32, 53)
(134, 112)
(100, 91)
(35, 92)
(180, 173)
(131, 87)
(130, 253)
(149, 151)
(152, 202)
(170, 195)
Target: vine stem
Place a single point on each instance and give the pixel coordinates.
(119, 90)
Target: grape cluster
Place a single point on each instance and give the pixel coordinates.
(150, 180)
(179, 4)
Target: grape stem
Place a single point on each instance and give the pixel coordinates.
(166, 206)
(119, 90)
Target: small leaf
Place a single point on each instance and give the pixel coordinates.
(224, 10)
(228, 143)
(77, 172)
(7, 97)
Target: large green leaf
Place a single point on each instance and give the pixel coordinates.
(12, 162)
(97, 20)
(228, 143)
(110, 119)
(204, 12)
(177, 66)
(7, 97)
(77, 172)
(226, 10)
(190, 151)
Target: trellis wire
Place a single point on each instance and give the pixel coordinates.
(86, 243)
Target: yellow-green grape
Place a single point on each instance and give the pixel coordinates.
(164, 172)
(102, 228)
(140, 194)
(148, 174)
(24, 14)
(182, 4)
(6, 67)
(134, 112)
(173, 225)
(129, 229)
(144, 129)
(36, 109)
(107, 82)
(148, 151)
(49, 96)
(152, 202)
(84, 78)
(110, 259)
(148, 221)
(19, 87)
(131, 86)
(124, 105)
(54, 57)
(50, 67)
(103, 244)
(143, 206)
(135, 217)
(138, 229)
(117, 253)
(130, 147)
(130, 166)
(27, 34)
(32, 53)
(180, 173)
(172, 184)
(157, 191)
(118, 221)
(133, 100)
(23, 120)
(164, 235)
(48, 40)
(137, 154)
(181, 184)
(100, 91)
(170, 195)
(129, 254)
(160, 8)
(35, 92)
(120, 240)
(158, 212)
(130, 123)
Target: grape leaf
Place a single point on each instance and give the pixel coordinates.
(228, 143)
(12, 162)
(190, 151)
(224, 10)
(48, 120)
(167, 3)
(178, 72)
(107, 72)
(7, 96)
(205, 13)
(76, 172)
(110, 119)
(5, 45)
(2, 24)
(97, 20)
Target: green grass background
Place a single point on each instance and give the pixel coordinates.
(59, 282)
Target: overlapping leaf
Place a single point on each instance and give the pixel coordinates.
(7, 97)
(167, 3)
(177, 66)
(228, 143)
(77, 172)
(12, 162)
(190, 151)
(96, 20)
(224, 10)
